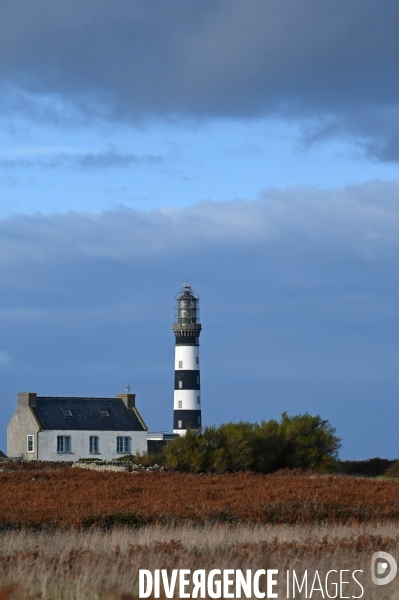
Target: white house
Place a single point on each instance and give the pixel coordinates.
(57, 428)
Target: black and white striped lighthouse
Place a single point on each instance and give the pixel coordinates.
(187, 329)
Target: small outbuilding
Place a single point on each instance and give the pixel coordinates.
(70, 428)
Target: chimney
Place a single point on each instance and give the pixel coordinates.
(27, 399)
(128, 399)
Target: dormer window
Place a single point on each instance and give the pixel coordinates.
(103, 413)
(66, 412)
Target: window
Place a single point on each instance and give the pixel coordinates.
(123, 444)
(94, 446)
(63, 443)
(198, 399)
(103, 413)
(197, 360)
(30, 443)
(180, 384)
(199, 420)
(180, 364)
(179, 424)
(198, 379)
(180, 404)
(66, 412)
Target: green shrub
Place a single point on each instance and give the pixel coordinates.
(373, 467)
(187, 453)
(301, 441)
(393, 469)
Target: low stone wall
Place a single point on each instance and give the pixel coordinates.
(127, 467)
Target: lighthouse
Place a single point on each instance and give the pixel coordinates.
(187, 394)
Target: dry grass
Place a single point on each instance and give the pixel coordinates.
(79, 498)
(89, 565)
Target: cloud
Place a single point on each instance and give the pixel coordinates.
(358, 219)
(111, 158)
(334, 62)
(298, 304)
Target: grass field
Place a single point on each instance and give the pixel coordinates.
(76, 534)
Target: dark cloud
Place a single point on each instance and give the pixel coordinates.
(111, 158)
(298, 304)
(384, 147)
(135, 60)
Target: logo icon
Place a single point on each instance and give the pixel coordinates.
(380, 561)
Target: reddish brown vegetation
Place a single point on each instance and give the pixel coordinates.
(76, 498)
(10, 591)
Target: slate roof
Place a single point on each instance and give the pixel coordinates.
(86, 416)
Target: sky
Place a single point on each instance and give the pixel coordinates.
(251, 149)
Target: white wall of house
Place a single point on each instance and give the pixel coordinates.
(22, 424)
(80, 444)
